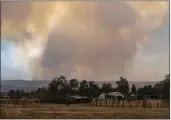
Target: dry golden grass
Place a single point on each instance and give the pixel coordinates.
(81, 111)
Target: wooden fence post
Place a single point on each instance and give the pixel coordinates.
(165, 104)
(123, 103)
(110, 102)
(118, 103)
(137, 103)
(130, 104)
(106, 101)
(150, 105)
(145, 103)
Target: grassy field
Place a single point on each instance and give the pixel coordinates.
(80, 111)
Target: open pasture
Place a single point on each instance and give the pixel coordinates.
(80, 111)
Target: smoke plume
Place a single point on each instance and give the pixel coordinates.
(86, 40)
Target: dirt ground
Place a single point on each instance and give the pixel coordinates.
(47, 111)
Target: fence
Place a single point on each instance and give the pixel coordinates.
(127, 103)
(19, 101)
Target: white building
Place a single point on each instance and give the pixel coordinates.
(102, 96)
(116, 94)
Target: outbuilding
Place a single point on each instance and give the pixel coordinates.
(115, 95)
(102, 96)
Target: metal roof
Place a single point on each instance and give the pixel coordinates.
(116, 94)
(77, 97)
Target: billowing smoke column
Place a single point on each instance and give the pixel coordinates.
(87, 40)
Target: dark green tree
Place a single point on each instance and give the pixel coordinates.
(166, 87)
(93, 90)
(106, 88)
(73, 86)
(64, 85)
(33, 94)
(18, 93)
(83, 88)
(147, 90)
(123, 86)
(157, 90)
(133, 89)
(53, 86)
(42, 94)
(12, 94)
(58, 89)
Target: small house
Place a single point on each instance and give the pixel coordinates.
(102, 96)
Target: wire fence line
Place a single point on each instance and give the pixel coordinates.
(128, 103)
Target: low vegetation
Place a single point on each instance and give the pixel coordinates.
(60, 87)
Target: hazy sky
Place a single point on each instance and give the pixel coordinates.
(85, 40)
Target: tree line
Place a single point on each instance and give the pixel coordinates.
(60, 87)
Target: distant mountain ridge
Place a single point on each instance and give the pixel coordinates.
(27, 85)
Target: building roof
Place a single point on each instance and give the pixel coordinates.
(132, 95)
(77, 97)
(116, 94)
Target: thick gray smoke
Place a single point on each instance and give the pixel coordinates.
(93, 40)
(93, 46)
